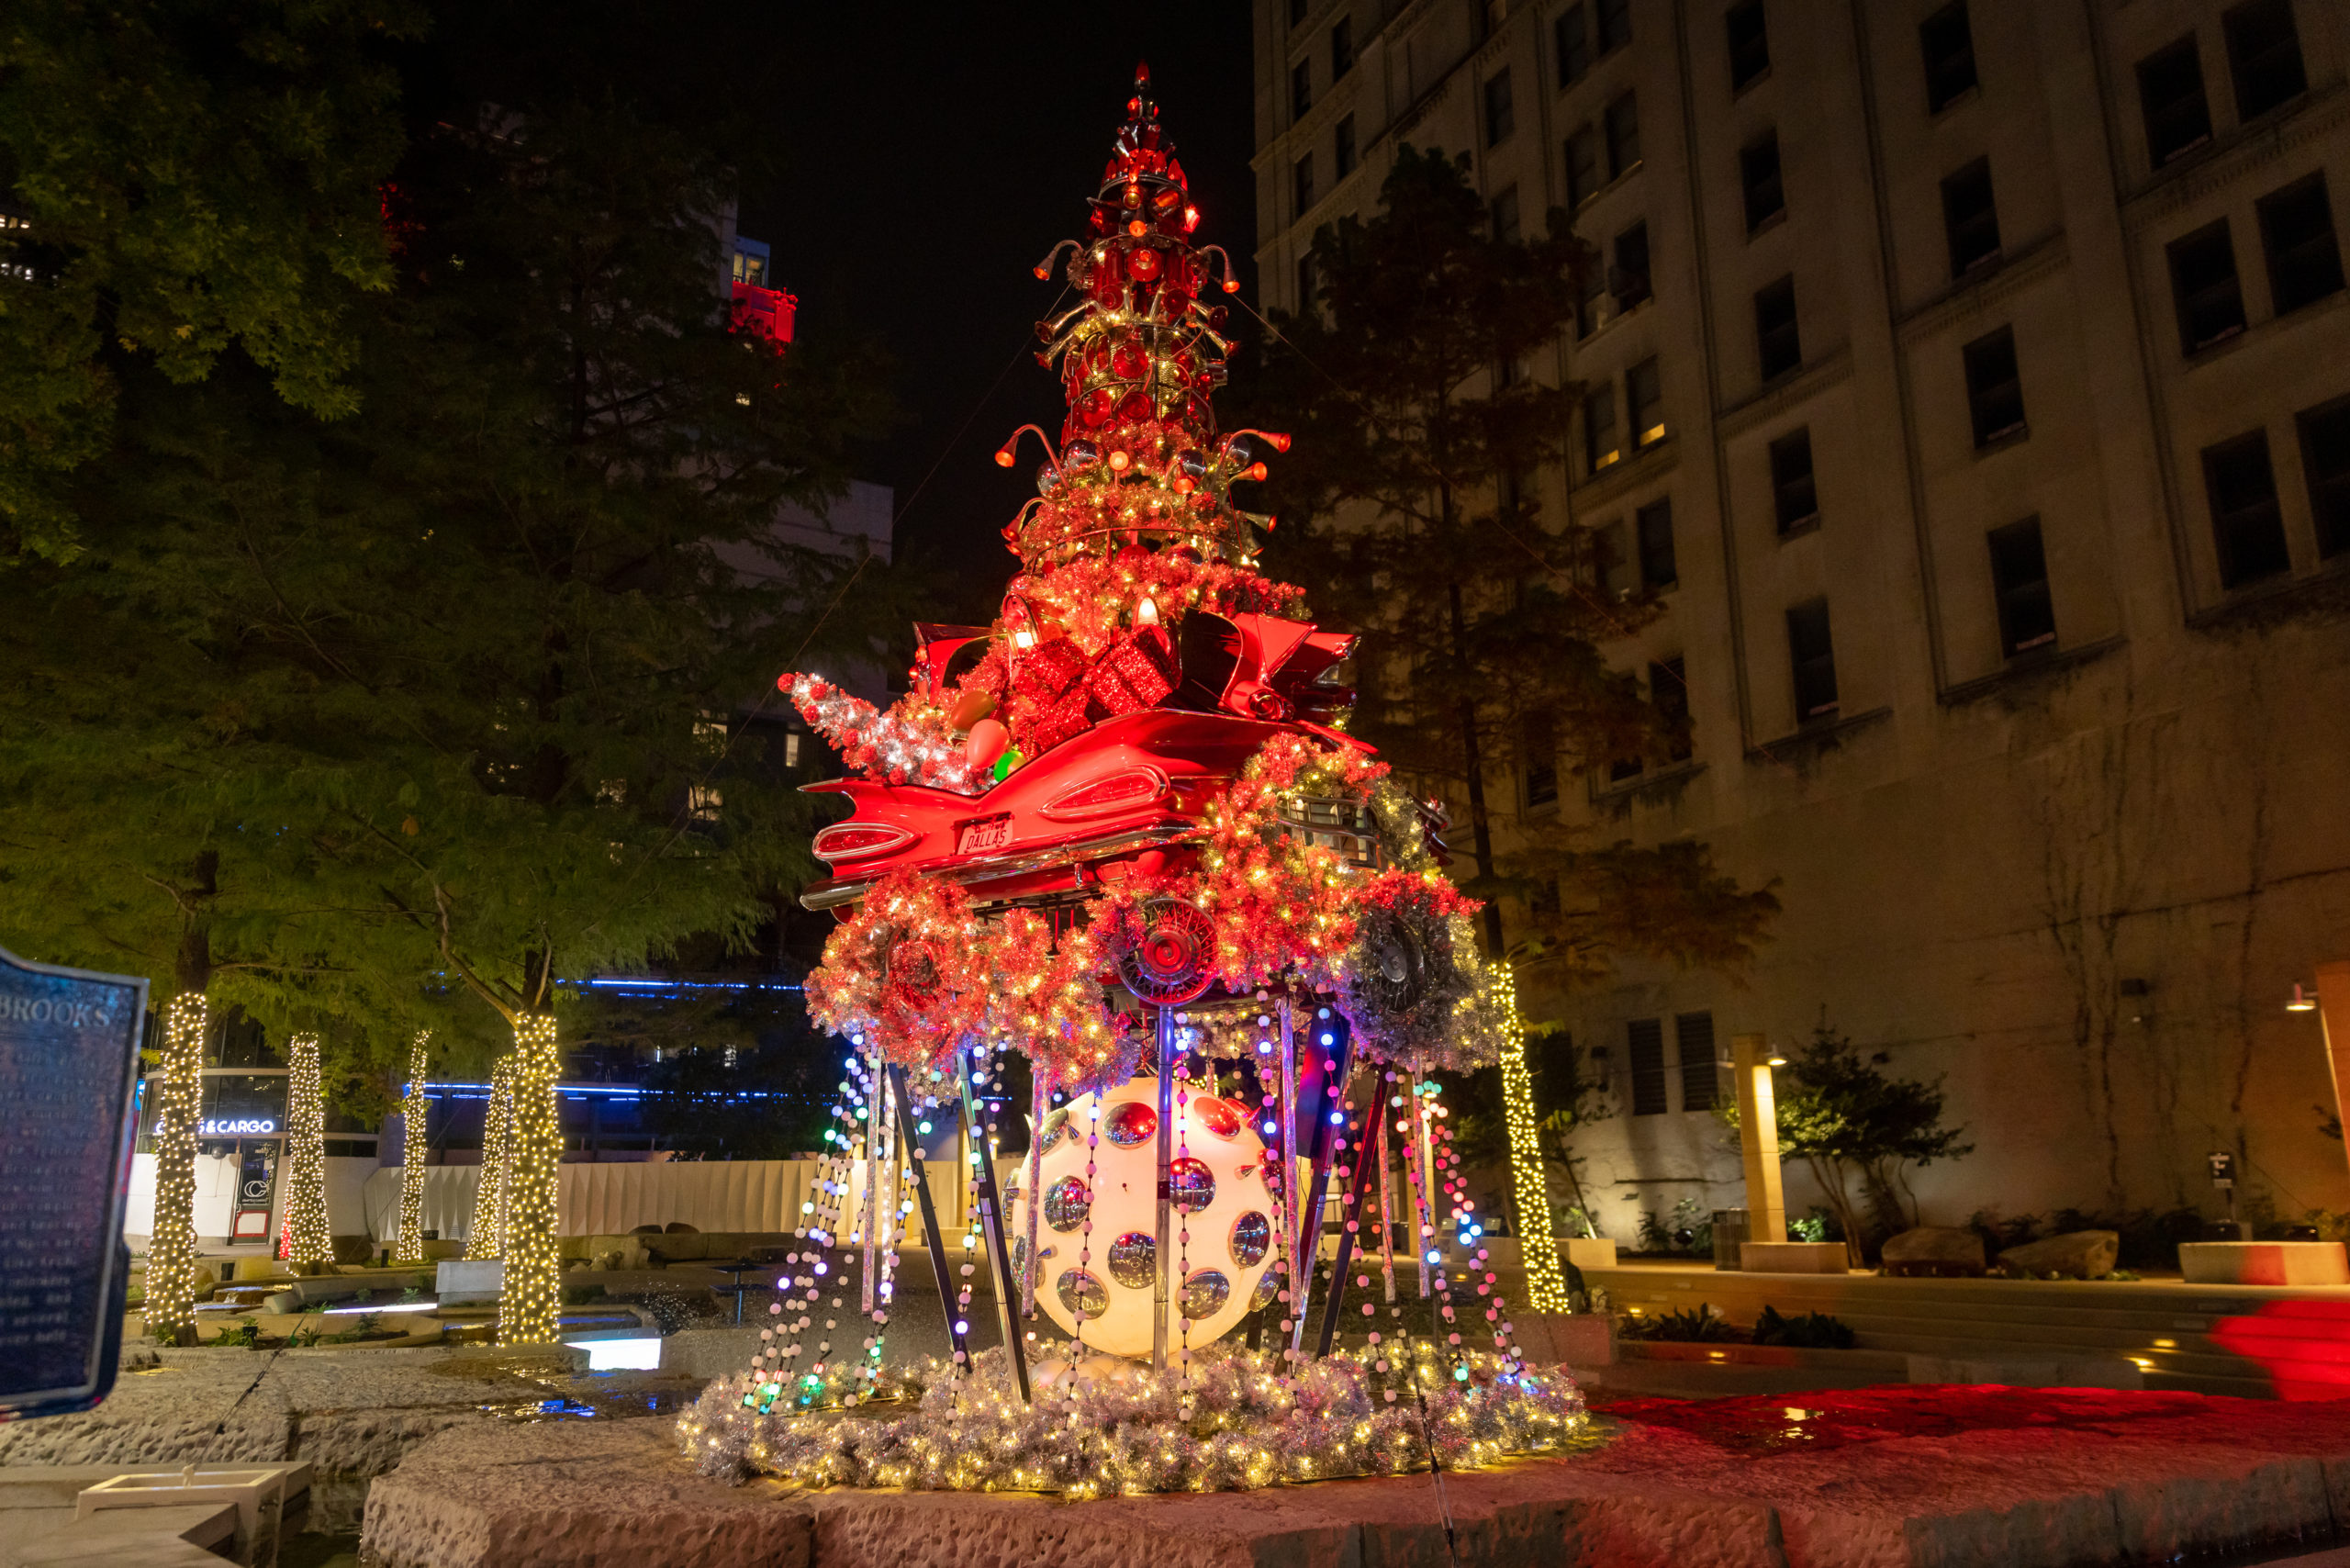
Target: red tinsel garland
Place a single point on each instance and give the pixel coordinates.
(904, 973)
(1047, 1000)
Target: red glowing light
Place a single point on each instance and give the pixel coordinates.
(854, 841)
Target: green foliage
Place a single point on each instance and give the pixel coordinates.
(193, 176)
(1688, 1229)
(246, 1336)
(455, 694)
(1810, 1331)
(1702, 1323)
(1852, 1122)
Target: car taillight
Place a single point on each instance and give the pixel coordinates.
(851, 841)
(1119, 792)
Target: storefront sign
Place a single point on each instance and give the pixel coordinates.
(242, 1126)
(69, 1055)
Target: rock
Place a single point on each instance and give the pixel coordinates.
(679, 1227)
(2078, 1254)
(1937, 1250)
(646, 1230)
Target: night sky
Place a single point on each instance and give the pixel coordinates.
(930, 157)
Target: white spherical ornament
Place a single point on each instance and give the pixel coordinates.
(1223, 1197)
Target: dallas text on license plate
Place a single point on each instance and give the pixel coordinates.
(989, 833)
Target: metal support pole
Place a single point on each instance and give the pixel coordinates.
(1365, 1149)
(1160, 1289)
(1309, 1230)
(936, 1243)
(991, 1222)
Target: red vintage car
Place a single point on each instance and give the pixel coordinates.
(1133, 786)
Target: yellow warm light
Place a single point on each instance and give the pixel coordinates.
(308, 1239)
(1546, 1283)
(171, 1251)
(486, 1238)
(416, 1111)
(527, 1307)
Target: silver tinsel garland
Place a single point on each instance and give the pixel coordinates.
(1370, 1412)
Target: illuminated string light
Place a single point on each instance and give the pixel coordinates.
(486, 1238)
(1546, 1283)
(527, 1307)
(308, 1241)
(169, 1313)
(416, 1114)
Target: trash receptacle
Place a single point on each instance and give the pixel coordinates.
(1730, 1230)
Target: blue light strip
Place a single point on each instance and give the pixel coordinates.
(655, 982)
(582, 1091)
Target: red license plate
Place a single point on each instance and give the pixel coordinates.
(986, 834)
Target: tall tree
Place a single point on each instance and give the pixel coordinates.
(179, 178)
(461, 676)
(1423, 422)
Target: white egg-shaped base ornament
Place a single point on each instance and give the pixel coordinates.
(1224, 1201)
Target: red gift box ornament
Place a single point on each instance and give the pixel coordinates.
(1051, 668)
(1136, 673)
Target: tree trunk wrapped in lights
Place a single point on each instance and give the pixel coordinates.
(416, 1113)
(171, 1249)
(1545, 1284)
(527, 1307)
(308, 1239)
(486, 1238)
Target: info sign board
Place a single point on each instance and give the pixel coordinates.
(69, 1066)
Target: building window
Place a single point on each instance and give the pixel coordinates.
(1629, 280)
(1583, 167)
(1644, 402)
(1614, 24)
(2170, 97)
(1342, 46)
(1300, 88)
(1309, 284)
(1700, 1070)
(1776, 337)
(1949, 46)
(1599, 445)
(2019, 584)
(1750, 44)
(791, 748)
(1794, 491)
(1812, 654)
(1623, 121)
(1668, 695)
(2297, 229)
(1573, 44)
(1615, 566)
(1647, 1056)
(2325, 464)
(2203, 288)
(1970, 217)
(1757, 171)
(1345, 160)
(2245, 524)
(1505, 214)
(1302, 178)
(2264, 56)
(1500, 118)
(1653, 523)
(1590, 310)
(1994, 390)
(1541, 760)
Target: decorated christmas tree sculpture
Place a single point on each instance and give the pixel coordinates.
(1123, 831)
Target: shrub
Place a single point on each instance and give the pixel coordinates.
(1702, 1323)
(1811, 1331)
(246, 1335)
